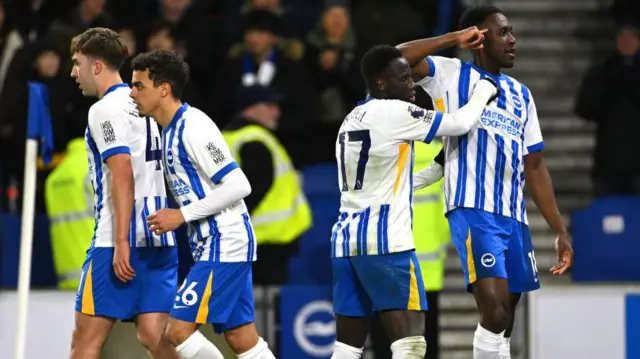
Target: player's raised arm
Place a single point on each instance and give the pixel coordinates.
(108, 130)
(541, 186)
(413, 123)
(208, 150)
(416, 51)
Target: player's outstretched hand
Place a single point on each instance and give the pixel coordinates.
(487, 86)
(121, 265)
(165, 220)
(471, 38)
(565, 254)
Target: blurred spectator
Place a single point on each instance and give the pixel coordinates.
(32, 18)
(279, 210)
(129, 39)
(386, 22)
(610, 97)
(294, 20)
(69, 204)
(197, 37)
(265, 60)
(41, 63)
(331, 56)
(89, 13)
(161, 38)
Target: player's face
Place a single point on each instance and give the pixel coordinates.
(501, 44)
(145, 95)
(83, 71)
(398, 83)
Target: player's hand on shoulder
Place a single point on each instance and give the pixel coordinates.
(470, 38)
(564, 251)
(165, 220)
(121, 265)
(487, 86)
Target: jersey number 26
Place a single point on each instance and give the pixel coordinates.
(354, 136)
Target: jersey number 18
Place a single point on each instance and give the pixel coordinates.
(355, 136)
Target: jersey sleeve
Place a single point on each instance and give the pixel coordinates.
(208, 149)
(408, 122)
(441, 70)
(109, 130)
(532, 135)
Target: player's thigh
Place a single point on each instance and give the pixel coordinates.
(481, 243)
(392, 281)
(91, 331)
(210, 292)
(521, 261)
(394, 284)
(349, 296)
(101, 293)
(159, 281)
(238, 328)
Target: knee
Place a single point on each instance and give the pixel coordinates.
(177, 334)
(410, 347)
(496, 317)
(148, 338)
(243, 338)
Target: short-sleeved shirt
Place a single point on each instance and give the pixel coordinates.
(484, 169)
(197, 158)
(374, 153)
(116, 128)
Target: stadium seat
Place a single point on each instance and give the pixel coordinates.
(42, 272)
(606, 239)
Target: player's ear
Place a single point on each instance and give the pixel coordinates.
(380, 84)
(97, 67)
(165, 90)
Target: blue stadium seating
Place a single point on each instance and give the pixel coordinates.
(607, 241)
(313, 265)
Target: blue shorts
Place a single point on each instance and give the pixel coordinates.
(216, 293)
(491, 245)
(152, 290)
(366, 284)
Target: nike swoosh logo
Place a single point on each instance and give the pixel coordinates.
(180, 306)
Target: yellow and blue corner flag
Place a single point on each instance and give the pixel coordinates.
(39, 120)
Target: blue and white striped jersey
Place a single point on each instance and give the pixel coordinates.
(374, 154)
(196, 159)
(115, 128)
(485, 168)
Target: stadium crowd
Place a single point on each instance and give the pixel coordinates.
(306, 50)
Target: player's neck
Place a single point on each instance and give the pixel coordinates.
(107, 82)
(487, 65)
(164, 114)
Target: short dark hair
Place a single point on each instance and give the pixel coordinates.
(376, 60)
(101, 43)
(164, 67)
(476, 15)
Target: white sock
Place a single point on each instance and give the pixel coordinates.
(198, 347)
(343, 351)
(486, 345)
(409, 348)
(505, 348)
(260, 351)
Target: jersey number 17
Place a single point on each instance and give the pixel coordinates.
(354, 136)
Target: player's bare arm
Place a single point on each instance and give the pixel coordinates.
(416, 51)
(123, 198)
(541, 187)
